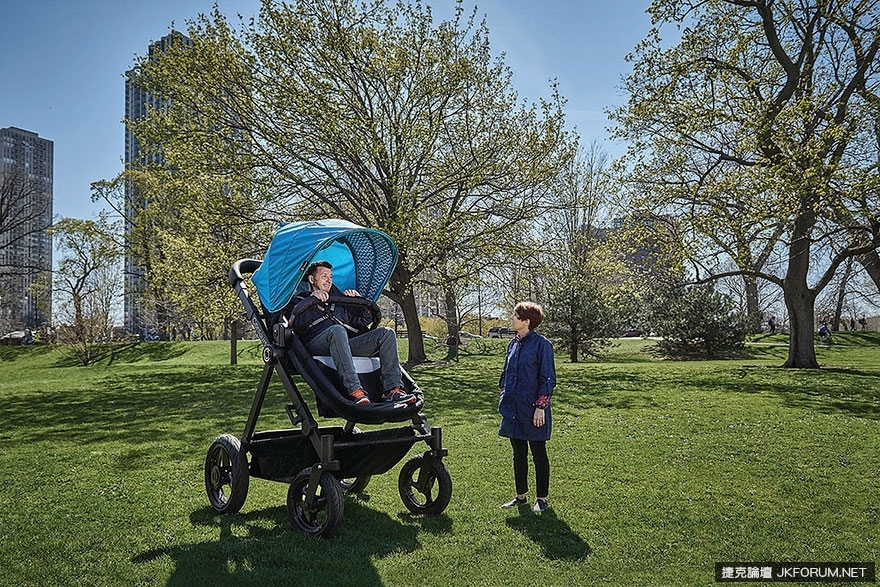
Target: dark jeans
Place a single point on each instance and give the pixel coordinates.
(380, 342)
(521, 465)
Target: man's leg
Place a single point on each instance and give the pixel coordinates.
(381, 343)
(334, 341)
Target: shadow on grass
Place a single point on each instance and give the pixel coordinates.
(135, 407)
(851, 392)
(261, 548)
(14, 353)
(107, 354)
(555, 538)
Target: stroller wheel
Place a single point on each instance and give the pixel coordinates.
(226, 475)
(425, 492)
(322, 516)
(356, 485)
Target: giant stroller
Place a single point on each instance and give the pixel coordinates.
(322, 462)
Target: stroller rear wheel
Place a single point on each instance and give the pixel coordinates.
(226, 475)
(322, 517)
(425, 494)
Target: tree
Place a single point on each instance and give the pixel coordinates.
(581, 275)
(697, 321)
(367, 112)
(764, 112)
(86, 284)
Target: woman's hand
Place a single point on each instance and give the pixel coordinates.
(538, 418)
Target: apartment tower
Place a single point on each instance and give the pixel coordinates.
(26, 168)
(137, 104)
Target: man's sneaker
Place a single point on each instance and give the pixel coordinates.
(359, 397)
(540, 505)
(514, 502)
(397, 395)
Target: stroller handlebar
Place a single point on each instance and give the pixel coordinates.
(311, 301)
(242, 266)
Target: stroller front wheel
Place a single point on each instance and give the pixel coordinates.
(425, 492)
(226, 475)
(323, 515)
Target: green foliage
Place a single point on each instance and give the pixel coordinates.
(758, 461)
(697, 321)
(368, 112)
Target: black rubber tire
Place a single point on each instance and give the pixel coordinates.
(434, 496)
(356, 485)
(325, 515)
(226, 475)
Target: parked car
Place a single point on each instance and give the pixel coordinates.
(501, 332)
(633, 332)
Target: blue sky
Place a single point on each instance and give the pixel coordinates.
(62, 66)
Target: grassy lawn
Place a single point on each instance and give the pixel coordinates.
(659, 469)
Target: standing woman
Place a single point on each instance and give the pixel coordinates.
(527, 383)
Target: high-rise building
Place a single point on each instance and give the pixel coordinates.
(137, 103)
(26, 175)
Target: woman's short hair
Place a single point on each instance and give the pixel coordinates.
(530, 311)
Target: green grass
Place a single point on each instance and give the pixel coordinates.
(659, 469)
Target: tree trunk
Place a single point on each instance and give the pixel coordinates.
(401, 292)
(801, 347)
(415, 342)
(756, 320)
(799, 298)
(841, 295)
(871, 263)
(452, 339)
(233, 343)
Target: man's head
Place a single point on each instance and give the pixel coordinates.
(320, 276)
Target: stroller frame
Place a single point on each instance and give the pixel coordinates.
(320, 463)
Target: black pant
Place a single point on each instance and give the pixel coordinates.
(521, 465)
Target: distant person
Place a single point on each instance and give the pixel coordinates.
(852, 323)
(863, 322)
(824, 333)
(771, 324)
(526, 384)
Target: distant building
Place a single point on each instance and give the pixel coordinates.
(26, 175)
(137, 102)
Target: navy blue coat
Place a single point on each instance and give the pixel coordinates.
(529, 372)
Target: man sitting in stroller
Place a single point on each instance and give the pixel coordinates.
(342, 331)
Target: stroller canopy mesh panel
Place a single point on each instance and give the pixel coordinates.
(362, 259)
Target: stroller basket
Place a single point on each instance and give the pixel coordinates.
(281, 455)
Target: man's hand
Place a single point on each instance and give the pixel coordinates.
(321, 295)
(352, 293)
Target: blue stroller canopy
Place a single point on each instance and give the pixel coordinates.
(362, 259)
